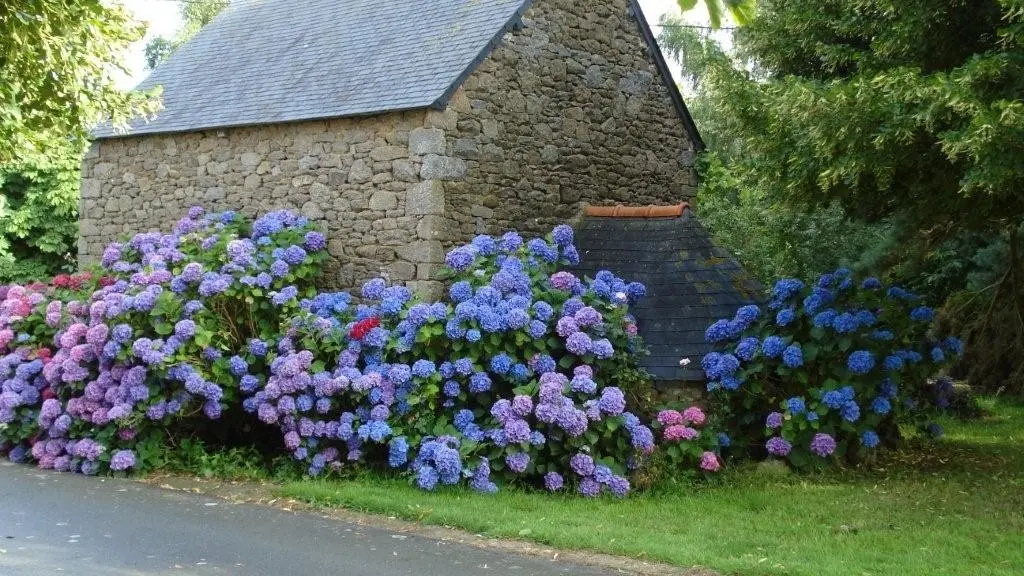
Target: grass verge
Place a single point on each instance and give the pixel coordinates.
(948, 508)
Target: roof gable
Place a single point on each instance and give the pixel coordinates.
(690, 282)
(270, 61)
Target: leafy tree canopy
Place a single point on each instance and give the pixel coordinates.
(58, 64)
(39, 214)
(741, 11)
(911, 108)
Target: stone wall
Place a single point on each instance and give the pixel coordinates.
(364, 181)
(569, 110)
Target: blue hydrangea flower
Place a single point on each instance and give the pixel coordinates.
(562, 235)
(824, 319)
(871, 284)
(785, 317)
(922, 314)
(747, 348)
(845, 323)
(869, 439)
(850, 411)
(861, 362)
(723, 440)
(786, 288)
(501, 364)
(793, 356)
(398, 452)
(881, 406)
(423, 369)
(893, 363)
(773, 346)
(748, 314)
(954, 345)
(720, 331)
(796, 405)
(461, 291)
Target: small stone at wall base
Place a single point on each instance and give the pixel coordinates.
(429, 251)
(401, 271)
(428, 289)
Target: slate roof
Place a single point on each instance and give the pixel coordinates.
(690, 281)
(269, 61)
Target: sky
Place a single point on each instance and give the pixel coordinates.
(163, 19)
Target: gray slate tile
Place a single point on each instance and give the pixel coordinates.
(690, 281)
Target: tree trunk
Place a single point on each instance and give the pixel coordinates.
(1016, 278)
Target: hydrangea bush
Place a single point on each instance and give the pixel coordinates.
(96, 368)
(510, 378)
(502, 381)
(686, 436)
(823, 371)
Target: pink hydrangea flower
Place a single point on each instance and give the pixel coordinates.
(709, 462)
(670, 417)
(680, 432)
(694, 416)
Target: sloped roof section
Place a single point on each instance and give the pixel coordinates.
(690, 281)
(270, 61)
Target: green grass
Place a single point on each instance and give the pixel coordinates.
(954, 507)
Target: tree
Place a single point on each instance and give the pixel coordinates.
(39, 214)
(58, 62)
(195, 14)
(157, 50)
(909, 113)
(741, 11)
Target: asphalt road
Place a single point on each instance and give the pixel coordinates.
(70, 524)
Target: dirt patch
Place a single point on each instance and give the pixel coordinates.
(263, 494)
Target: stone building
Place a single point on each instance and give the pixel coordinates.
(401, 126)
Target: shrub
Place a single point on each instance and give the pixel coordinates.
(95, 371)
(823, 371)
(509, 379)
(687, 437)
(39, 214)
(504, 380)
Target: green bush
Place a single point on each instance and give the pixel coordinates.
(823, 371)
(39, 216)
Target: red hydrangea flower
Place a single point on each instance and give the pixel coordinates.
(363, 327)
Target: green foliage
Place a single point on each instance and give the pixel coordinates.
(741, 11)
(39, 215)
(773, 240)
(194, 14)
(59, 65)
(911, 108)
(196, 457)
